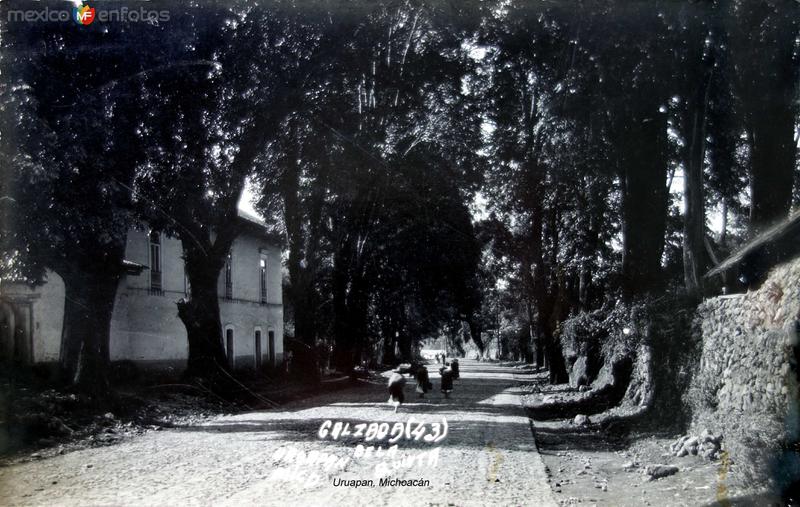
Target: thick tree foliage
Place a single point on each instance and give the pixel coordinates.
(479, 170)
(245, 69)
(346, 178)
(71, 109)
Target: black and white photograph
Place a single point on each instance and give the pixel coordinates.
(400, 253)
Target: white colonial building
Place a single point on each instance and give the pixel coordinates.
(145, 327)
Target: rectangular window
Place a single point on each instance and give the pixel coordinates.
(263, 278)
(229, 278)
(258, 349)
(155, 263)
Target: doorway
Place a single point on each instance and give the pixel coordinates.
(229, 345)
(7, 332)
(258, 349)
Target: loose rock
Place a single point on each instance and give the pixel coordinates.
(659, 471)
(581, 420)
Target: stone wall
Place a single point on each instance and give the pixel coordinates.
(746, 384)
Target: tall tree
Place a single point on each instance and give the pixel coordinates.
(251, 63)
(763, 44)
(392, 90)
(697, 63)
(72, 113)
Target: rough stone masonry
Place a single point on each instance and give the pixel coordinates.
(746, 386)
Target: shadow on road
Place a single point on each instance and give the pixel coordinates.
(479, 406)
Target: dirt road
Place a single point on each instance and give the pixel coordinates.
(290, 456)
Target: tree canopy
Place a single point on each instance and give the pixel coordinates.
(481, 170)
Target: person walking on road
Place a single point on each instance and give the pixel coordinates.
(447, 380)
(454, 367)
(423, 381)
(397, 383)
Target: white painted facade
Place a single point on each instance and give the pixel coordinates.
(145, 327)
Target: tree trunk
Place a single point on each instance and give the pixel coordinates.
(92, 374)
(301, 290)
(544, 301)
(558, 308)
(388, 347)
(555, 361)
(763, 42)
(475, 330)
(723, 233)
(358, 308)
(201, 316)
(90, 289)
(694, 217)
(538, 349)
(405, 345)
(344, 349)
(70, 340)
(644, 203)
(89, 304)
(584, 279)
(693, 232)
(529, 347)
(773, 163)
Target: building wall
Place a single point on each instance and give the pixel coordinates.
(40, 310)
(138, 250)
(246, 256)
(245, 318)
(244, 312)
(48, 314)
(145, 327)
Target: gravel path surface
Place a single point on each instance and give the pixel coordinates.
(488, 456)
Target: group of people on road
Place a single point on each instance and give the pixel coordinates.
(448, 372)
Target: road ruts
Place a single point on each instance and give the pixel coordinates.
(488, 457)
